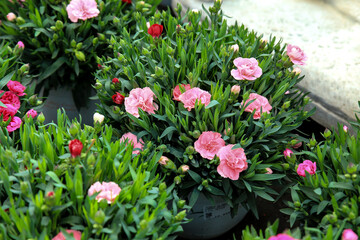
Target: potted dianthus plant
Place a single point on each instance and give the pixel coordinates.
(219, 100)
(69, 182)
(62, 40)
(17, 99)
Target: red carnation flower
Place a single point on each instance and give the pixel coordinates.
(126, 1)
(75, 147)
(118, 98)
(115, 80)
(155, 30)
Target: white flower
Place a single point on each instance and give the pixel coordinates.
(98, 118)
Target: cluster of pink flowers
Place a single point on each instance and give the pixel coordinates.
(107, 190)
(12, 102)
(232, 161)
(260, 105)
(132, 139)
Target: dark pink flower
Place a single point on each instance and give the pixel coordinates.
(307, 166)
(281, 236)
(8, 111)
(14, 124)
(10, 98)
(31, 113)
(348, 234)
(16, 87)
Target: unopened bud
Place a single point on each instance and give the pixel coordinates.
(98, 118)
(177, 180)
(162, 187)
(327, 133)
(235, 89)
(234, 47)
(80, 56)
(59, 25)
(73, 129)
(296, 71)
(180, 216)
(184, 168)
(181, 203)
(99, 217)
(40, 118)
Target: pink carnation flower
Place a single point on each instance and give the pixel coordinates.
(208, 144)
(11, 16)
(296, 55)
(132, 139)
(10, 98)
(140, 98)
(76, 235)
(247, 69)
(7, 112)
(16, 88)
(281, 236)
(287, 153)
(31, 113)
(14, 124)
(260, 105)
(192, 95)
(349, 234)
(177, 92)
(107, 190)
(20, 44)
(307, 166)
(232, 162)
(82, 9)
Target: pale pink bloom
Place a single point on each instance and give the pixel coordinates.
(287, 92)
(140, 98)
(107, 190)
(20, 45)
(307, 166)
(192, 95)
(82, 9)
(76, 235)
(345, 128)
(349, 234)
(281, 236)
(246, 69)
(260, 105)
(10, 98)
(14, 124)
(31, 113)
(232, 162)
(16, 88)
(208, 144)
(163, 160)
(235, 89)
(235, 47)
(296, 55)
(268, 171)
(297, 71)
(287, 153)
(132, 139)
(177, 92)
(184, 168)
(11, 16)
(148, 25)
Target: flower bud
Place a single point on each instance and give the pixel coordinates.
(11, 16)
(196, 134)
(99, 217)
(159, 72)
(91, 160)
(41, 118)
(162, 187)
(235, 89)
(190, 150)
(80, 56)
(20, 20)
(181, 203)
(73, 43)
(79, 46)
(234, 47)
(24, 187)
(143, 224)
(101, 37)
(327, 133)
(296, 71)
(268, 171)
(286, 105)
(95, 41)
(180, 216)
(345, 128)
(313, 142)
(74, 129)
(288, 153)
(205, 183)
(183, 168)
(98, 85)
(177, 180)
(59, 25)
(164, 160)
(297, 204)
(351, 168)
(98, 118)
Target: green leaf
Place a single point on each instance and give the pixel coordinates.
(195, 176)
(322, 206)
(341, 185)
(212, 104)
(266, 177)
(6, 79)
(168, 130)
(53, 68)
(215, 191)
(194, 197)
(54, 177)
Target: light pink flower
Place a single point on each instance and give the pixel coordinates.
(11, 16)
(208, 144)
(140, 98)
(31, 113)
(107, 190)
(281, 236)
(163, 160)
(296, 55)
(10, 98)
(345, 128)
(268, 171)
(184, 168)
(14, 124)
(349, 234)
(235, 47)
(307, 166)
(235, 89)
(260, 105)
(132, 139)
(247, 69)
(192, 95)
(82, 9)
(60, 236)
(16, 88)
(287, 153)
(177, 92)
(20, 45)
(232, 162)
(297, 71)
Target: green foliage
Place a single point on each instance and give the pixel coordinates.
(329, 198)
(43, 164)
(197, 51)
(61, 52)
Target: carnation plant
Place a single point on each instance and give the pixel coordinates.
(220, 99)
(17, 99)
(63, 38)
(65, 180)
(326, 176)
